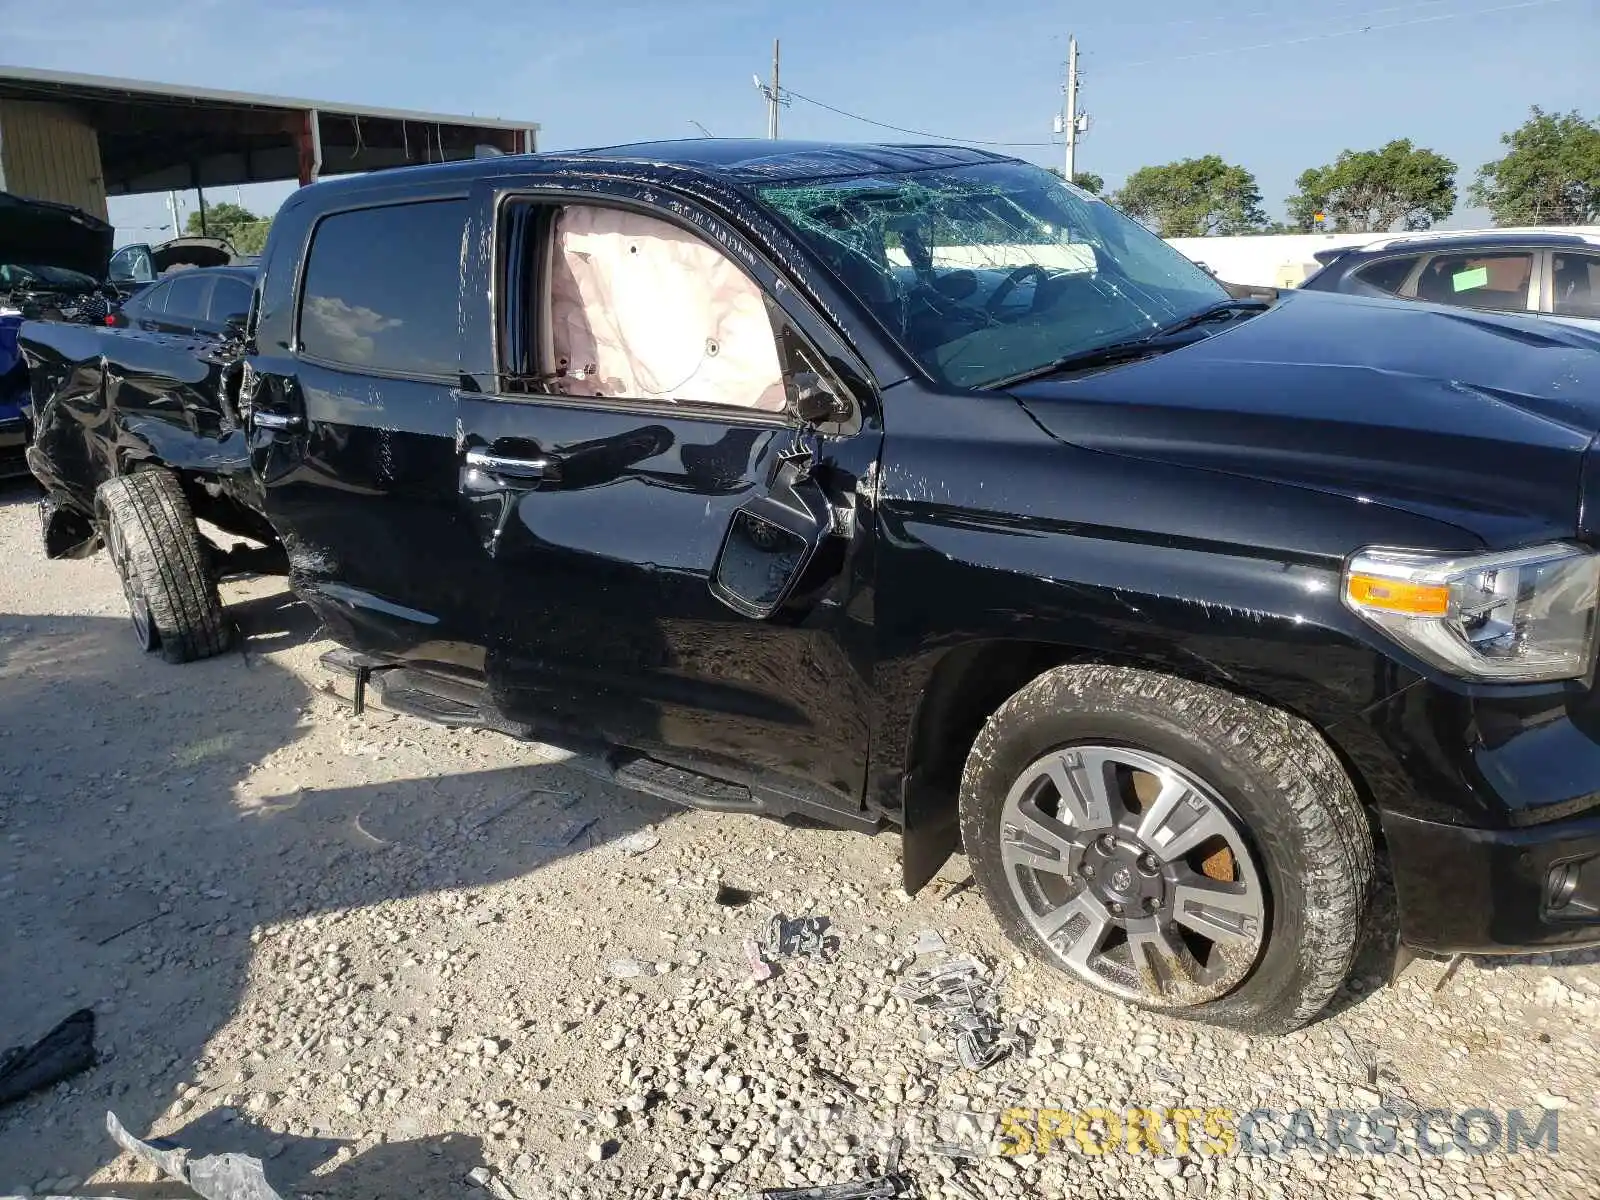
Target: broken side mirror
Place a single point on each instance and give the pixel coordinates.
(770, 541)
(234, 326)
(814, 402)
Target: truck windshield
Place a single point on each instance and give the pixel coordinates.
(986, 272)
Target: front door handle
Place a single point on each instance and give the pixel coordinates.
(514, 468)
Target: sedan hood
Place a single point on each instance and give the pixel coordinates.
(42, 233)
(1468, 417)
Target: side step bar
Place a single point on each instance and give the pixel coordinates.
(427, 695)
(695, 789)
(448, 700)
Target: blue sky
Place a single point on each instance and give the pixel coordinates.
(1260, 82)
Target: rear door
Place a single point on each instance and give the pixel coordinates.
(631, 396)
(350, 394)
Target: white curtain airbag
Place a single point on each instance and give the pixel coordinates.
(640, 308)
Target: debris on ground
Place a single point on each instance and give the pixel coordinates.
(804, 936)
(956, 995)
(214, 1177)
(59, 1054)
(641, 842)
(732, 897)
(837, 1080)
(630, 968)
(760, 968)
(929, 941)
(884, 1187)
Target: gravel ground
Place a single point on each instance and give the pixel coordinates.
(381, 955)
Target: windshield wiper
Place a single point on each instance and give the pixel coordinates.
(1211, 312)
(1158, 342)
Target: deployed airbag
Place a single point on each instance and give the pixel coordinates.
(641, 308)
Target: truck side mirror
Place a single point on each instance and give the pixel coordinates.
(814, 402)
(234, 326)
(769, 543)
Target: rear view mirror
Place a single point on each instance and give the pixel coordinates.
(769, 542)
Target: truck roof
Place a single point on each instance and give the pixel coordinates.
(733, 160)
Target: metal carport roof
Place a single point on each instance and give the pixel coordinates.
(157, 136)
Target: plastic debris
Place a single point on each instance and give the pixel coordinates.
(929, 941)
(59, 1054)
(957, 996)
(629, 968)
(760, 968)
(884, 1187)
(214, 1177)
(806, 936)
(641, 842)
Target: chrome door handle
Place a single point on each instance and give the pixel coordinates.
(272, 420)
(516, 468)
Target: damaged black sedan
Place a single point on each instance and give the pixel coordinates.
(913, 487)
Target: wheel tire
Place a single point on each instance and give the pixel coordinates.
(166, 575)
(1291, 799)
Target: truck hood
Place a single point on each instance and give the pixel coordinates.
(47, 234)
(1472, 418)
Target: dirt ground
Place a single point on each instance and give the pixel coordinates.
(380, 954)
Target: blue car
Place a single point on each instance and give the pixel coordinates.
(53, 263)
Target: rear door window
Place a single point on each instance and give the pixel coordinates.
(1387, 274)
(187, 298)
(230, 297)
(1496, 280)
(382, 289)
(1575, 280)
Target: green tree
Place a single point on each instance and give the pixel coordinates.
(1087, 180)
(1197, 197)
(1550, 174)
(235, 224)
(1371, 191)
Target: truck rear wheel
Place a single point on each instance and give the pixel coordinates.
(167, 578)
(1170, 844)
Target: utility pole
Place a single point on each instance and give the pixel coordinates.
(1070, 121)
(172, 207)
(773, 93)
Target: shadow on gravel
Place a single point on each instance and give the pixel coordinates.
(133, 865)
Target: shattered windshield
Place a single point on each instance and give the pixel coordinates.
(989, 271)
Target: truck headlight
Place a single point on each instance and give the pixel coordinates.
(1514, 617)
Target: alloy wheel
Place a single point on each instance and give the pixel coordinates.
(1135, 874)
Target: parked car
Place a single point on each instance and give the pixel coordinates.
(164, 368)
(771, 467)
(135, 267)
(52, 263)
(1550, 272)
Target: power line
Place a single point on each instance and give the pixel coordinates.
(1337, 33)
(938, 137)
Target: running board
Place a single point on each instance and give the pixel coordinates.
(695, 789)
(426, 695)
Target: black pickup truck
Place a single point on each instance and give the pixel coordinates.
(910, 486)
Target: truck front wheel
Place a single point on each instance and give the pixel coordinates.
(1170, 844)
(155, 546)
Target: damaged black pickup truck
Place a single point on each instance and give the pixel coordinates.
(911, 486)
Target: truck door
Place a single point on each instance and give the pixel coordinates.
(678, 563)
(350, 402)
